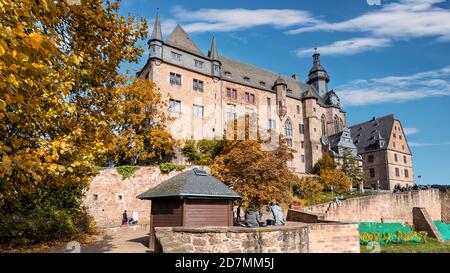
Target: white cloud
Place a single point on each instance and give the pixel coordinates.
(405, 19)
(223, 20)
(410, 131)
(416, 144)
(431, 83)
(347, 47)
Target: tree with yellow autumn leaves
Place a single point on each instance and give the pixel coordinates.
(259, 176)
(61, 105)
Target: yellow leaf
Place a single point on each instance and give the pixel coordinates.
(2, 105)
(36, 40)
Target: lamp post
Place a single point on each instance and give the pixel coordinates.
(419, 177)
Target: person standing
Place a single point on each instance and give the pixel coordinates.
(124, 218)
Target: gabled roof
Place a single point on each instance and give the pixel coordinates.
(365, 135)
(191, 184)
(180, 39)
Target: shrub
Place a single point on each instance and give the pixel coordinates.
(54, 213)
(127, 171)
(307, 187)
(202, 152)
(169, 167)
(388, 238)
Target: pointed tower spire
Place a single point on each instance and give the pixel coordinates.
(212, 53)
(157, 34)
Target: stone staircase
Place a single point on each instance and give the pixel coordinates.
(423, 222)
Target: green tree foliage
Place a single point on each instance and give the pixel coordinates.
(326, 162)
(169, 167)
(202, 152)
(351, 167)
(127, 171)
(58, 76)
(258, 176)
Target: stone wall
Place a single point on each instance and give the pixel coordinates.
(300, 238)
(109, 195)
(422, 222)
(388, 207)
(445, 201)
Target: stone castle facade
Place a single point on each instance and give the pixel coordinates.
(208, 94)
(383, 147)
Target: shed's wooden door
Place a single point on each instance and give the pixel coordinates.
(200, 213)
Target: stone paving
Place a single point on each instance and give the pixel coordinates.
(133, 239)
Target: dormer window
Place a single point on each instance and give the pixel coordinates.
(228, 74)
(262, 83)
(289, 91)
(175, 56)
(246, 79)
(198, 64)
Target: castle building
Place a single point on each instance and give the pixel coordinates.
(386, 156)
(208, 92)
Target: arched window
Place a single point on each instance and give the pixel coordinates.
(336, 125)
(342, 123)
(324, 126)
(288, 132)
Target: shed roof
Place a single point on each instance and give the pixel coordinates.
(191, 184)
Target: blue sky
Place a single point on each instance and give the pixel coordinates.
(383, 57)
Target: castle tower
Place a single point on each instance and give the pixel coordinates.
(317, 76)
(156, 41)
(214, 56)
(280, 87)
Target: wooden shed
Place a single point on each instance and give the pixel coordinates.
(192, 199)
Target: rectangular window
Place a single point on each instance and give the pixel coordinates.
(198, 111)
(370, 158)
(303, 158)
(231, 112)
(268, 102)
(197, 85)
(372, 172)
(272, 124)
(298, 109)
(289, 142)
(174, 106)
(404, 159)
(175, 79)
(406, 173)
(175, 56)
(249, 97)
(395, 157)
(301, 129)
(397, 172)
(231, 93)
(303, 144)
(198, 64)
